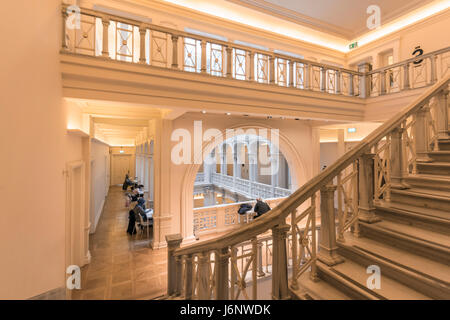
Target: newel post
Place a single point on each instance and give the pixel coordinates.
(421, 134)
(280, 289)
(364, 80)
(366, 186)
(442, 114)
(222, 258)
(142, 34)
(398, 169)
(173, 267)
(328, 247)
(229, 51)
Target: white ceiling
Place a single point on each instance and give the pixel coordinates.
(345, 18)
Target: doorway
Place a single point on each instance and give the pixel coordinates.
(120, 166)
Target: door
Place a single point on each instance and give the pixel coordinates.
(121, 165)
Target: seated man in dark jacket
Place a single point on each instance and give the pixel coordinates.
(260, 208)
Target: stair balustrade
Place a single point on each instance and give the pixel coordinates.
(362, 177)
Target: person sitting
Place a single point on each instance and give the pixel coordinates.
(243, 209)
(140, 209)
(261, 207)
(127, 182)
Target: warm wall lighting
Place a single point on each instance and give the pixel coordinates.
(351, 130)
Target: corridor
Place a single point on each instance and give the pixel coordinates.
(121, 267)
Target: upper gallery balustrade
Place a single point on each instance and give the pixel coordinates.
(148, 44)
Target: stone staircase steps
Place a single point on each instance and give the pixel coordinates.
(436, 168)
(429, 244)
(426, 181)
(430, 219)
(351, 277)
(444, 144)
(425, 198)
(440, 156)
(418, 273)
(316, 290)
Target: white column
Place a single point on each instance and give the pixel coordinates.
(223, 159)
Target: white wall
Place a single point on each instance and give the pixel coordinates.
(100, 176)
(32, 131)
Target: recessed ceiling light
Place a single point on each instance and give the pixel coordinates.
(228, 114)
(203, 111)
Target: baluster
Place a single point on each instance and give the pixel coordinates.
(340, 209)
(260, 260)
(279, 263)
(328, 248)
(222, 258)
(442, 116)
(174, 51)
(406, 85)
(255, 268)
(313, 274)
(233, 276)
(364, 80)
(188, 287)
(433, 75)
(203, 276)
(229, 51)
(179, 275)
(323, 79)
(203, 57)
(387, 178)
(105, 49)
(173, 243)
(291, 73)
(272, 69)
(307, 76)
(338, 81)
(421, 134)
(294, 248)
(383, 82)
(142, 33)
(64, 44)
(251, 75)
(350, 85)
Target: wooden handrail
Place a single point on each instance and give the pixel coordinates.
(278, 214)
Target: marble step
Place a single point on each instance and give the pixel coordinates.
(426, 243)
(444, 144)
(351, 278)
(316, 290)
(422, 197)
(440, 156)
(426, 181)
(419, 273)
(431, 219)
(434, 168)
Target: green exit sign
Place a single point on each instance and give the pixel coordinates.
(353, 45)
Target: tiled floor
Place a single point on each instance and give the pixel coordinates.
(121, 266)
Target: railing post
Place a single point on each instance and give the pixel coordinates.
(364, 80)
(203, 57)
(188, 277)
(233, 276)
(351, 90)
(291, 73)
(406, 85)
(174, 51)
(442, 114)
(366, 188)
(383, 82)
(142, 33)
(271, 69)
(173, 268)
(323, 79)
(398, 170)
(251, 74)
(222, 274)
(64, 39)
(433, 73)
(294, 249)
(203, 276)
(307, 76)
(105, 49)
(421, 134)
(338, 82)
(260, 260)
(279, 263)
(229, 51)
(328, 248)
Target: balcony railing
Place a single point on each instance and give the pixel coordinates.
(247, 188)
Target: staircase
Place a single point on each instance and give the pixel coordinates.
(392, 215)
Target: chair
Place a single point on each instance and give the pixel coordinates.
(146, 224)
